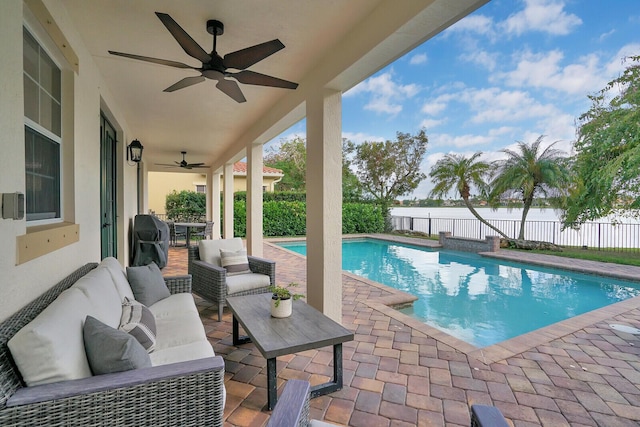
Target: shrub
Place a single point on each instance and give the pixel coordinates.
(186, 206)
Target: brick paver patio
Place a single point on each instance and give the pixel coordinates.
(399, 372)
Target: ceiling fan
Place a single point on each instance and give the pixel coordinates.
(214, 66)
(183, 164)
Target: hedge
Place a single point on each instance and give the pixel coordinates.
(289, 218)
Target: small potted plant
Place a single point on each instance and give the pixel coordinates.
(282, 300)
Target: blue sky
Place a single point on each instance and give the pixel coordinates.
(511, 71)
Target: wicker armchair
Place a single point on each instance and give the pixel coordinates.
(210, 279)
(179, 394)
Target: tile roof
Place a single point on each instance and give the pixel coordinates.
(240, 168)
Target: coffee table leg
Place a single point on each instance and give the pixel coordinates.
(336, 384)
(272, 384)
(237, 339)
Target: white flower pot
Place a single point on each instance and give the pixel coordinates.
(283, 309)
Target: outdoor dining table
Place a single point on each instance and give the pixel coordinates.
(189, 226)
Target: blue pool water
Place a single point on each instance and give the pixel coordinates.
(479, 300)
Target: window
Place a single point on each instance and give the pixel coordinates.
(43, 131)
(201, 188)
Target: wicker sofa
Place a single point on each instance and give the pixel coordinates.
(211, 281)
(181, 388)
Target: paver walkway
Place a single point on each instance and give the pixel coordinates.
(399, 372)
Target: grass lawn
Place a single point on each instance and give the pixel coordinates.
(616, 257)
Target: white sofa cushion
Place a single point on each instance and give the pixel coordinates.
(210, 249)
(50, 348)
(119, 277)
(103, 297)
(180, 353)
(246, 282)
(177, 323)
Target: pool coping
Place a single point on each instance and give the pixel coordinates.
(513, 346)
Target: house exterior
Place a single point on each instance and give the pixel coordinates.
(163, 183)
(69, 112)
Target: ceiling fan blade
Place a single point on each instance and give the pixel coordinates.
(196, 164)
(232, 89)
(184, 40)
(186, 82)
(245, 58)
(165, 164)
(253, 78)
(154, 60)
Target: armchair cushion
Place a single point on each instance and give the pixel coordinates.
(110, 350)
(235, 262)
(147, 284)
(246, 282)
(138, 321)
(210, 249)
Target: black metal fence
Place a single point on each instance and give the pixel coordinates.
(594, 235)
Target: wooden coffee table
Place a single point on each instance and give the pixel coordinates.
(305, 329)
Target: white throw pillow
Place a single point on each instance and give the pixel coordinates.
(138, 321)
(210, 249)
(235, 262)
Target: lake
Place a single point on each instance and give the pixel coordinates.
(542, 224)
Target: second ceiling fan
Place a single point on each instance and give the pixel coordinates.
(213, 65)
(183, 164)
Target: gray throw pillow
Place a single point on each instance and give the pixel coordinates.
(110, 350)
(147, 284)
(138, 321)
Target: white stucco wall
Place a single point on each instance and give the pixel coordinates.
(20, 284)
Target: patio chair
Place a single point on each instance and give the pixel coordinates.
(176, 232)
(206, 233)
(212, 282)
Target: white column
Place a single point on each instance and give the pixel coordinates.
(324, 202)
(213, 183)
(254, 199)
(228, 201)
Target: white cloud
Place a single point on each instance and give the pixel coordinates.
(547, 16)
(360, 137)
(459, 141)
(481, 57)
(419, 58)
(606, 35)
(387, 95)
(497, 105)
(475, 24)
(429, 124)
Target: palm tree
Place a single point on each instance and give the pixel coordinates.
(532, 172)
(457, 172)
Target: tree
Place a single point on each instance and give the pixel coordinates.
(291, 158)
(390, 169)
(529, 172)
(607, 160)
(351, 187)
(457, 172)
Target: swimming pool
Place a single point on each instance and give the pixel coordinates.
(479, 300)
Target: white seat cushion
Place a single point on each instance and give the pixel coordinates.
(119, 277)
(210, 249)
(246, 282)
(177, 322)
(50, 348)
(181, 353)
(103, 297)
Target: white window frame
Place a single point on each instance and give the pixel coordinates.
(44, 41)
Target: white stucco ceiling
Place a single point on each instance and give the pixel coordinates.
(331, 44)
